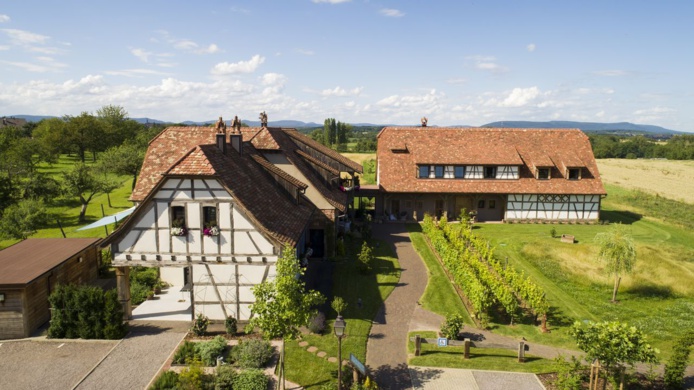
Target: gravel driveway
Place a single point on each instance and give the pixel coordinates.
(41, 364)
(135, 361)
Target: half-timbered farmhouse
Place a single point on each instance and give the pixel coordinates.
(215, 210)
(501, 174)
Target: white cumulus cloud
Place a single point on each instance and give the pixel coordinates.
(339, 91)
(249, 66)
(4, 18)
(141, 54)
(486, 63)
(391, 13)
(520, 97)
(531, 47)
(273, 79)
(24, 37)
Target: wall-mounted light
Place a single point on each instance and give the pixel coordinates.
(2, 297)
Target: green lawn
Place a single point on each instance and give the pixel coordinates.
(66, 210)
(348, 283)
(480, 358)
(658, 297)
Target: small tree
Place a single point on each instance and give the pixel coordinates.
(283, 305)
(618, 252)
(613, 343)
(84, 184)
(339, 305)
(365, 258)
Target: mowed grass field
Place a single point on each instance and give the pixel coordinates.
(667, 178)
(66, 210)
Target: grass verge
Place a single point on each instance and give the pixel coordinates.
(480, 358)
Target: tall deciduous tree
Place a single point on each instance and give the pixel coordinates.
(117, 126)
(22, 219)
(125, 159)
(283, 305)
(84, 133)
(618, 252)
(83, 183)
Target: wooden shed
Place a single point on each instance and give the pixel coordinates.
(29, 271)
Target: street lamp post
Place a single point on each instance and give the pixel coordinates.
(339, 329)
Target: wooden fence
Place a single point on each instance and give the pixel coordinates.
(467, 344)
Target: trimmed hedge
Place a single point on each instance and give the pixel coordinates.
(252, 353)
(674, 369)
(85, 312)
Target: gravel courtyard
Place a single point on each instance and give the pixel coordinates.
(49, 364)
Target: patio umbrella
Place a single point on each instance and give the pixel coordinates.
(109, 220)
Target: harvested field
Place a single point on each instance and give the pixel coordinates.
(359, 158)
(667, 178)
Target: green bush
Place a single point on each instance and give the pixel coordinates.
(191, 377)
(570, 375)
(252, 353)
(452, 326)
(225, 378)
(230, 324)
(85, 312)
(317, 323)
(200, 324)
(674, 369)
(146, 276)
(208, 351)
(168, 380)
(184, 353)
(251, 380)
(139, 293)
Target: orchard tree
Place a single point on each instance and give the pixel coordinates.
(618, 252)
(125, 159)
(283, 305)
(84, 133)
(613, 344)
(84, 183)
(117, 127)
(51, 136)
(22, 219)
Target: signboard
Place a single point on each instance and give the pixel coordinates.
(357, 364)
(442, 342)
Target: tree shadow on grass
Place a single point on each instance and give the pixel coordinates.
(624, 217)
(649, 290)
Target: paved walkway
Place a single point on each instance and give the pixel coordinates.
(386, 353)
(459, 379)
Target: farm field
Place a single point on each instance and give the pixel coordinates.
(360, 157)
(667, 178)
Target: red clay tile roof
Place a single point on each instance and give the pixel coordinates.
(194, 163)
(191, 151)
(263, 140)
(308, 141)
(27, 260)
(527, 148)
(317, 162)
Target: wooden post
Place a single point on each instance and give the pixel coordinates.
(466, 345)
(123, 284)
(521, 352)
(61, 228)
(621, 378)
(417, 345)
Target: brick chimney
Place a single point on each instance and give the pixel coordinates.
(221, 135)
(235, 137)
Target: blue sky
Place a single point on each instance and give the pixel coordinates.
(456, 62)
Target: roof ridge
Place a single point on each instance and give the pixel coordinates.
(180, 160)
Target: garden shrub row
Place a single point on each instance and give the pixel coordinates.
(482, 277)
(85, 312)
(247, 354)
(225, 378)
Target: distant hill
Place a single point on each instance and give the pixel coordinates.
(589, 127)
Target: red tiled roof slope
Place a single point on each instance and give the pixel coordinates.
(323, 149)
(191, 151)
(527, 148)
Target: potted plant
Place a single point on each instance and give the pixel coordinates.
(178, 228)
(211, 230)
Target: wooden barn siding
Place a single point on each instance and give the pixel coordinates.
(34, 310)
(11, 318)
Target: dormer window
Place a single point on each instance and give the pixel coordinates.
(543, 173)
(574, 174)
(490, 172)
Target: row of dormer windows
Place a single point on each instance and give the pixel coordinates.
(431, 171)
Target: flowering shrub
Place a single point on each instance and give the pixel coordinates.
(178, 231)
(211, 231)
